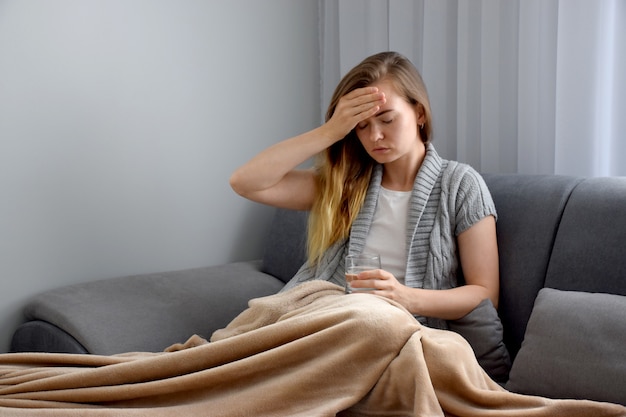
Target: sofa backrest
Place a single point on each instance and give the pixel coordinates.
(590, 247)
(285, 244)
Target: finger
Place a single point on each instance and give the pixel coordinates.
(371, 274)
(348, 101)
(370, 284)
(360, 92)
(361, 112)
(366, 111)
(369, 99)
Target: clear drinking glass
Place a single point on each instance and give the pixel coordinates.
(359, 263)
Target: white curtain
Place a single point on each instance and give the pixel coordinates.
(522, 86)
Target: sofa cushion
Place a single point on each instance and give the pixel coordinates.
(574, 348)
(483, 330)
(285, 245)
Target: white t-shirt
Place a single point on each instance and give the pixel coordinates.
(387, 234)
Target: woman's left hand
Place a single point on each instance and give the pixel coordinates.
(383, 283)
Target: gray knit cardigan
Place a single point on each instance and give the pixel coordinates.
(448, 197)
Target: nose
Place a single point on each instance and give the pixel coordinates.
(375, 133)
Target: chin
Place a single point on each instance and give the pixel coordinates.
(383, 159)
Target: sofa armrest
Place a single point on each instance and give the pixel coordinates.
(41, 336)
(151, 312)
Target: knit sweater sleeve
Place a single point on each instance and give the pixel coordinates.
(473, 200)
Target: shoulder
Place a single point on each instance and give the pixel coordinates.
(457, 179)
(468, 195)
(461, 177)
(453, 174)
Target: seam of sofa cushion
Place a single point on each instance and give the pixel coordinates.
(579, 181)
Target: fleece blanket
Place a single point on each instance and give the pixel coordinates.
(310, 351)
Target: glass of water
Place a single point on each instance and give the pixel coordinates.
(356, 264)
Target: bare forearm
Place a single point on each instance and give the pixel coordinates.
(448, 304)
(271, 165)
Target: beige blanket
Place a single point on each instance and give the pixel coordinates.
(310, 351)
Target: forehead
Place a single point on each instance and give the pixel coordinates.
(394, 100)
(387, 87)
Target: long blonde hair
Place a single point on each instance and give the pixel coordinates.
(345, 169)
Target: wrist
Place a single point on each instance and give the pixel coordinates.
(413, 299)
(329, 134)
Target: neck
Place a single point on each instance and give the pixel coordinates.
(400, 174)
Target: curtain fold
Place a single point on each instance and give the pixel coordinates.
(521, 86)
(590, 85)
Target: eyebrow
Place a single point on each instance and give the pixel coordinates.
(382, 112)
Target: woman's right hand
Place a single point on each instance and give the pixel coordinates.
(354, 107)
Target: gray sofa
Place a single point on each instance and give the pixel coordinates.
(562, 243)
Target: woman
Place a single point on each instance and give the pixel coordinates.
(376, 154)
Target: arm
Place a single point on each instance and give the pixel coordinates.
(478, 251)
(271, 176)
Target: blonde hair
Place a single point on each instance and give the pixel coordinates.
(345, 169)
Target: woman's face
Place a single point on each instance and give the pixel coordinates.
(393, 132)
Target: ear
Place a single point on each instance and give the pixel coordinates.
(420, 114)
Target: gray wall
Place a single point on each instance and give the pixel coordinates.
(120, 123)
